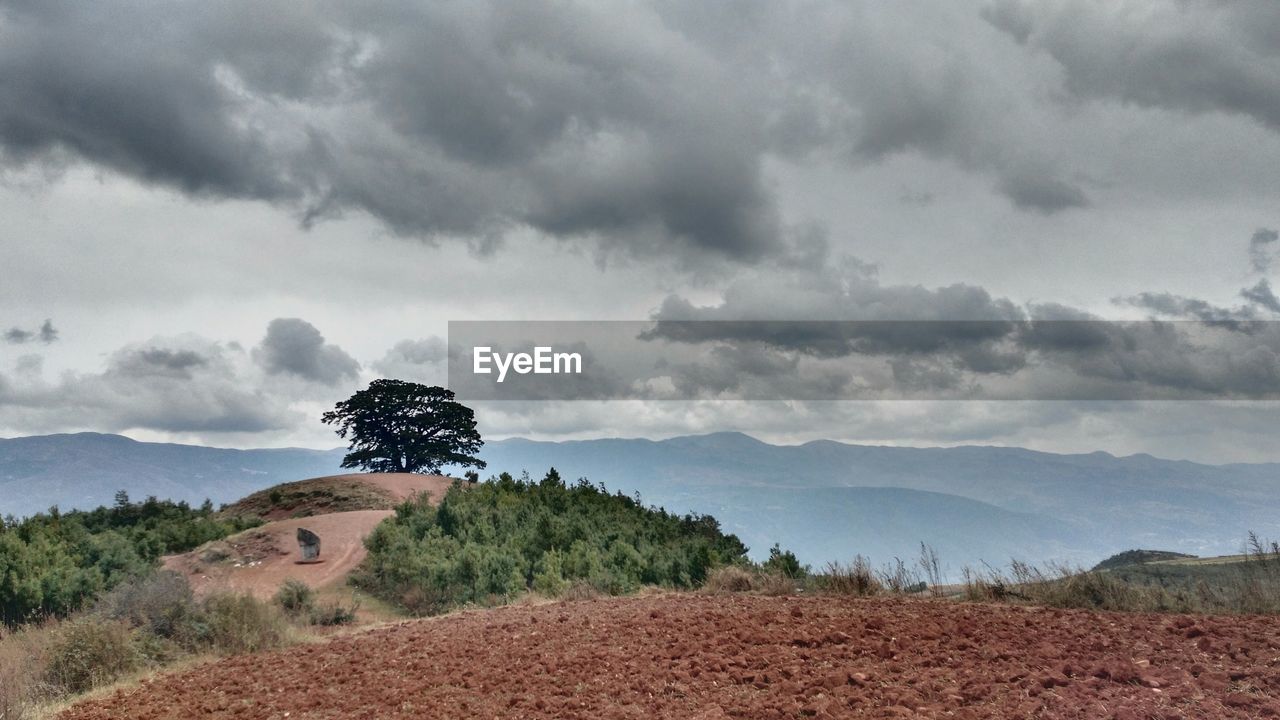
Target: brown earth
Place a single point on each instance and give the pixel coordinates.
(258, 561)
(703, 657)
(339, 493)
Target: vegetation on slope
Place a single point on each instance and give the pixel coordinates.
(146, 623)
(1244, 584)
(1139, 557)
(492, 541)
(52, 564)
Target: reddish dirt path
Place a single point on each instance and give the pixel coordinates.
(702, 658)
(341, 548)
(261, 559)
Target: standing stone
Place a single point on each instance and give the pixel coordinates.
(310, 544)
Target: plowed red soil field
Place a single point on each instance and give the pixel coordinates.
(701, 657)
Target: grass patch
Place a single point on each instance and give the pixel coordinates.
(1152, 582)
(731, 579)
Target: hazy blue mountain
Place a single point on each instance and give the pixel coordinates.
(823, 499)
(85, 470)
(972, 503)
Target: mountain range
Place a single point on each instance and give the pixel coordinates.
(825, 500)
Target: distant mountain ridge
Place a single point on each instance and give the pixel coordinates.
(84, 470)
(1082, 507)
(826, 500)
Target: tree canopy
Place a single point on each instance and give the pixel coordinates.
(508, 535)
(398, 426)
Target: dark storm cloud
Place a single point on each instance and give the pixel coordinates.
(1261, 248)
(637, 128)
(1246, 318)
(46, 334)
(155, 361)
(1045, 194)
(1187, 55)
(1170, 305)
(295, 347)
(439, 119)
(17, 336)
(1262, 294)
(131, 87)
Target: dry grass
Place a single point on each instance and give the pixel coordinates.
(89, 652)
(240, 623)
(734, 579)
(304, 498)
(580, 590)
(144, 625)
(856, 578)
(1250, 586)
(22, 688)
(728, 579)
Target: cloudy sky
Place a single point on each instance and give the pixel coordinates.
(220, 218)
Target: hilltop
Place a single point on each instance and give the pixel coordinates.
(1139, 557)
(337, 493)
(342, 509)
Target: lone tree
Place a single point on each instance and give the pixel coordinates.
(397, 426)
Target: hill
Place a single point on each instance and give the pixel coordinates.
(259, 560)
(1139, 557)
(342, 509)
(337, 493)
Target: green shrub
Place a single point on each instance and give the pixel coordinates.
(548, 576)
(298, 601)
(295, 597)
(785, 563)
(55, 563)
(89, 652)
(489, 542)
(332, 613)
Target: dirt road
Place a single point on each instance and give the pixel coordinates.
(266, 556)
(700, 657)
